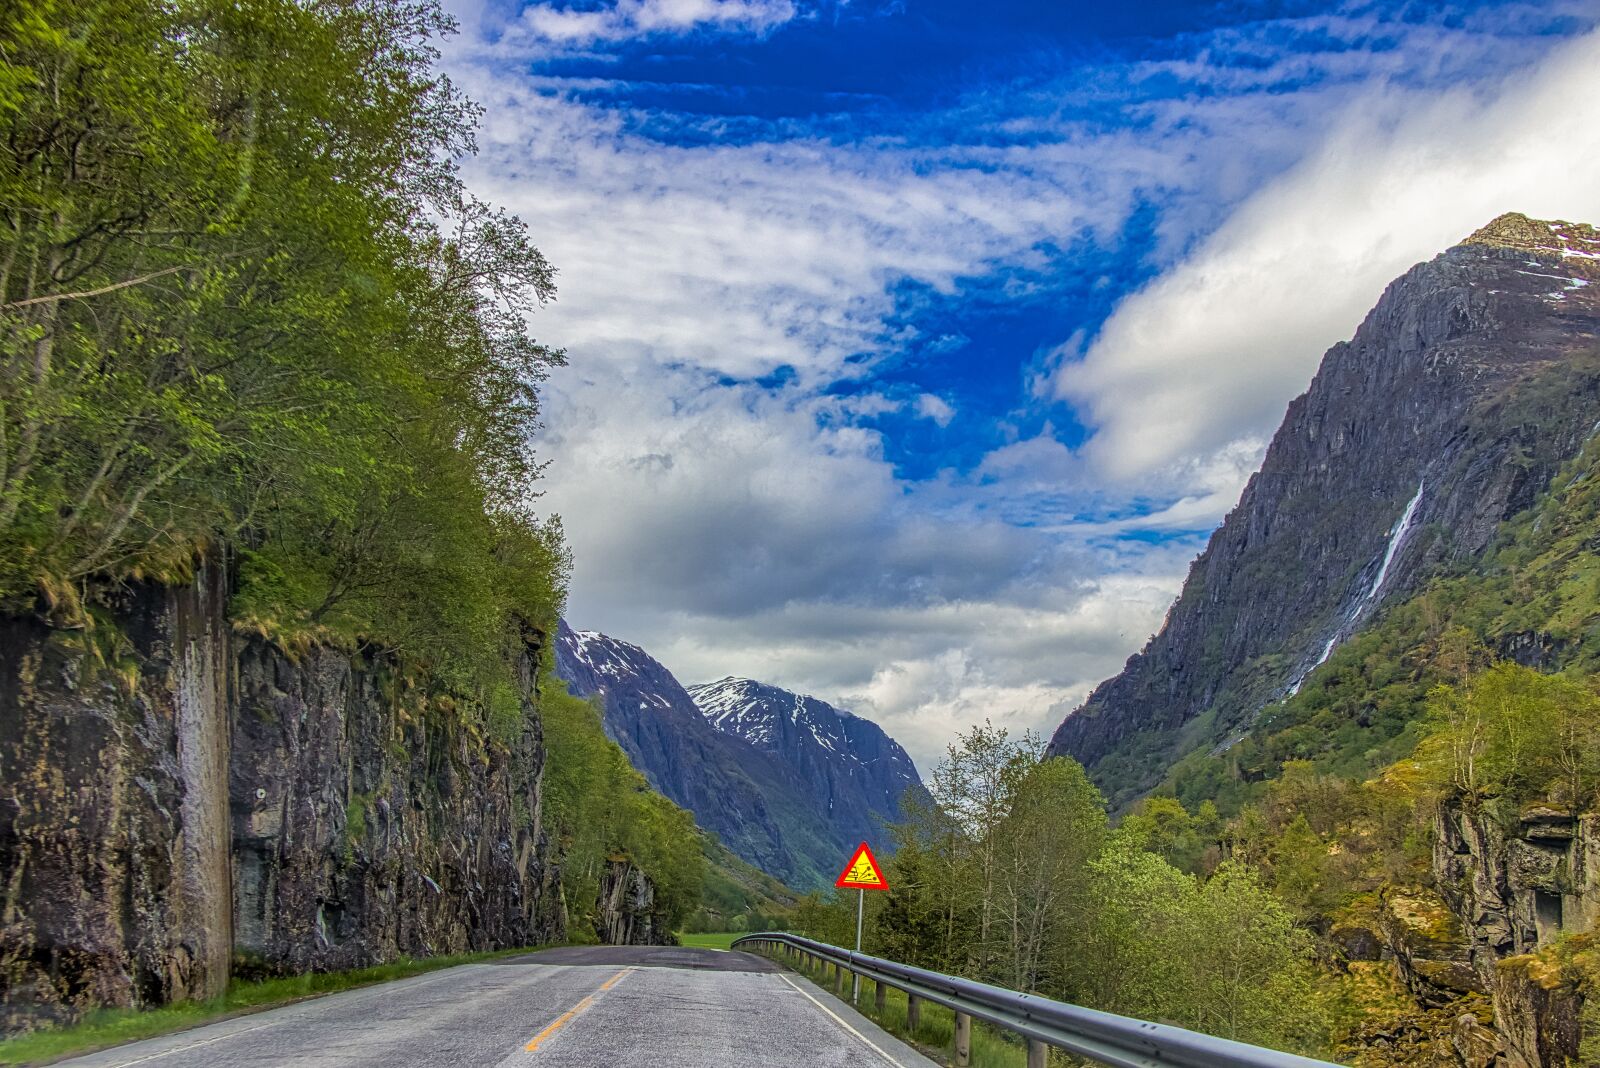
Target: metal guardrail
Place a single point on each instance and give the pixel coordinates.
(1099, 1036)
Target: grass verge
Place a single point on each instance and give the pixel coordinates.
(114, 1027)
(936, 1032)
(710, 939)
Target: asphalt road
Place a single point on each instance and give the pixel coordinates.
(585, 1007)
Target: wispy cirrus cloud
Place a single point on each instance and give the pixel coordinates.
(1208, 353)
(559, 26)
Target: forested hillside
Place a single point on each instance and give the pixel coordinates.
(274, 675)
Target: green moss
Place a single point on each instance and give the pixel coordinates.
(355, 817)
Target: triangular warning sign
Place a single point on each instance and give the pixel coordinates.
(862, 873)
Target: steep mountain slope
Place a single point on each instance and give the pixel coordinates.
(1464, 390)
(787, 810)
(849, 764)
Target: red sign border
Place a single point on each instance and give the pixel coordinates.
(842, 881)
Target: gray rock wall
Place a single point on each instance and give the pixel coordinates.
(114, 859)
(1505, 889)
(180, 803)
(625, 914)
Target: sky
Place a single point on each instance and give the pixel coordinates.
(916, 347)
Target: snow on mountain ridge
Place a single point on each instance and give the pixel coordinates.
(749, 709)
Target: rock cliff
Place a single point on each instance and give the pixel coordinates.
(184, 802)
(1485, 936)
(626, 913)
(1464, 390)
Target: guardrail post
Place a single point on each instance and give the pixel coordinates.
(1038, 1054)
(963, 1040)
(838, 979)
(913, 1012)
(882, 997)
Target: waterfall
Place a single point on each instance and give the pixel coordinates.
(1397, 538)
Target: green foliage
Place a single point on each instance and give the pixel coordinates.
(247, 305)
(1515, 733)
(597, 809)
(737, 897)
(245, 300)
(1009, 873)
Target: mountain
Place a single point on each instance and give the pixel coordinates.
(1475, 377)
(792, 802)
(850, 764)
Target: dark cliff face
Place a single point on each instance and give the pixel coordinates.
(113, 831)
(1472, 380)
(855, 772)
(182, 801)
(626, 912)
(366, 826)
(792, 810)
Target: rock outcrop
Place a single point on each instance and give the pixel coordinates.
(1482, 946)
(626, 914)
(1473, 379)
(183, 802)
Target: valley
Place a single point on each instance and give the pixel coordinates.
(921, 391)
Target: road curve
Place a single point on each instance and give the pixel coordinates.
(576, 1007)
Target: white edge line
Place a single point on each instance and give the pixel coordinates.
(192, 1045)
(873, 1046)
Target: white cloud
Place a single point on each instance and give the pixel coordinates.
(569, 27)
(932, 406)
(1211, 351)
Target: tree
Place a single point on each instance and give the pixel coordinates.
(1054, 827)
(974, 787)
(1514, 732)
(1250, 966)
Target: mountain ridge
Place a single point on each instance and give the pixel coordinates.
(790, 808)
(862, 770)
(1414, 441)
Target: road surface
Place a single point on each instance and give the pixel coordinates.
(579, 1007)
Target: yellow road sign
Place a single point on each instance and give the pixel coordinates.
(862, 873)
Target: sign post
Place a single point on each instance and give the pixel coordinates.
(861, 874)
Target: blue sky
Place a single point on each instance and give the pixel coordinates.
(918, 346)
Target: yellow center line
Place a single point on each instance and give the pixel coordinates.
(566, 1017)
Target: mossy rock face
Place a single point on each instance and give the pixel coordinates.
(1538, 1006)
(1424, 921)
(1537, 867)
(1429, 945)
(1477, 1046)
(1357, 941)
(1357, 929)
(1542, 823)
